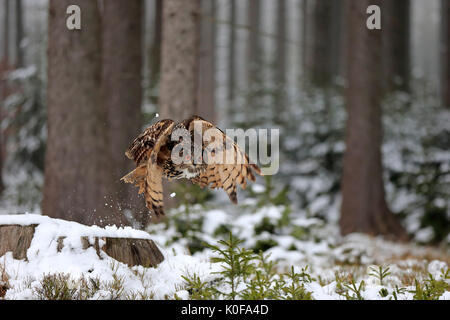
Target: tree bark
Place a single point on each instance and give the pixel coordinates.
(180, 54)
(78, 166)
(132, 251)
(178, 92)
(280, 75)
(232, 54)
(254, 63)
(396, 44)
(4, 65)
(155, 48)
(6, 30)
(343, 42)
(364, 208)
(318, 42)
(445, 52)
(19, 34)
(17, 239)
(280, 61)
(206, 88)
(122, 94)
(337, 36)
(305, 7)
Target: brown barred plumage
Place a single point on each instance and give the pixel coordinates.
(151, 151)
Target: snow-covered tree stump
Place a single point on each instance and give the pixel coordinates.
(28, 234)
(17, 239)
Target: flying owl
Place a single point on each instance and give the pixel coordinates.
(152, 153)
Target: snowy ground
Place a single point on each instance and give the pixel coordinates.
(291, 240)
(25, 277)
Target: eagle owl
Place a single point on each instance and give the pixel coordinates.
(152, 153)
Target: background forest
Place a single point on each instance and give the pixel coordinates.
(364, 117)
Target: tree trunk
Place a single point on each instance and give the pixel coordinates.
(318, 42)
(122, 94)
(2, 185)
(254, 60)
(132, 251)
(396, 44)
(445, 52)
(343, 42)
(364, 207)
(305, 6)
(206, 87)
(280, 75)
(155, 49)
(232, 54)
(4, 65)
(19, 34)
(280, 61)
(178, 93)
(180, 55)
(336, 38)
(6, 30)
(17, 239)
(78, 167)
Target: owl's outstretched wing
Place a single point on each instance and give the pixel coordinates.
(226, 167)
(148, 174)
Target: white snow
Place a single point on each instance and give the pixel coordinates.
(323, 257)
(424, 235)
(50, 227)
(258, 188)
(44, 259)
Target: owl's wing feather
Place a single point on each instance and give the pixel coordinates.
(145, 142)
(225, 175)
(153, 187)
(137, 176)
(148, 175)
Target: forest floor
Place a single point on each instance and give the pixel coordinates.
(302, 258)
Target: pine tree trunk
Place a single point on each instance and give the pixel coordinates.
(4, 64)
(396, 44)
(2, 185)
(6, 30)
(122, 94)
(155, 48)
(336, 38)
(232, 54)
(78, 180)
(364, 207)
(280, 60)
(180, 55)
(254, 63)
(19, 34)
(305, 8)
(206, 87)
(343, 41)
(178, 93)
(318, 42)
(280, 78)
(445, 52)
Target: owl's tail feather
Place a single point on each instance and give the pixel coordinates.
(149, 185)
(154, 189)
